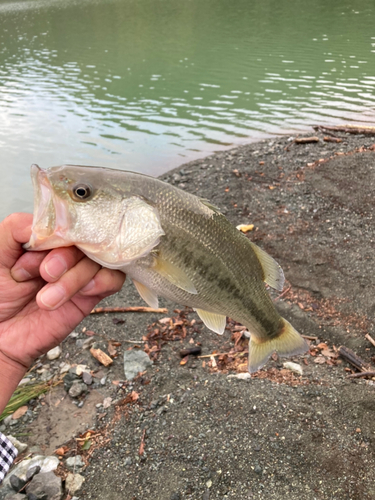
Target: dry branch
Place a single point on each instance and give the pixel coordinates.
(370, 339)
(306, 140)
(101, 356)
(348, 129)
(353, 359)
(362, 374)
(99, 310)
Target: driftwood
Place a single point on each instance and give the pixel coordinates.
(99, 310)
(306, 140)
(349, 129)
(353, 359)
(101, 356)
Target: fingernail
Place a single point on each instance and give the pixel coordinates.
(52, 296)
(90, 285)
(56, 267)
(21, 274)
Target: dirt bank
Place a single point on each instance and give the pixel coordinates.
(190, 431)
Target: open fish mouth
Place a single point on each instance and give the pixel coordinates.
(49, 219)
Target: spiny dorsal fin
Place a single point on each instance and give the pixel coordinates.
(273, 274)
(174, 274)
(213, 321)
(209, 205)
(147, 295)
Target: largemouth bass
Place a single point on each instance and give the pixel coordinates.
(170, 243)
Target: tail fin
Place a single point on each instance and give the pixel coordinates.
(288, 343)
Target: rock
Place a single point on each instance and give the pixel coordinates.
(16, 483)
(24, 381)
(241, 376)
(32, 471)
(87, 378)
(73, 483)
(7, 420)
(21, 447)
(64, 368)
(45, 486)
(54, 353)
(46, 464)
(135, 361)
(46, 376)
(80, 369)
(107, 402)
(69, 379)
(175, 496)
(128, 461)
(293, 367)
(15, 496)
(77, 389)
(74, 463)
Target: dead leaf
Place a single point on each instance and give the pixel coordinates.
(184, 360)
(320, 360)
(61, 451)
(112, 351)
(19, 413)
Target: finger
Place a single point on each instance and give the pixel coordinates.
(56, 294)
(59, 261)
(27, 266)
(14, 230)
(106, 282)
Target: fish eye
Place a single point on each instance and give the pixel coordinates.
(82, 191)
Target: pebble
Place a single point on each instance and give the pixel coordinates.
(240, 376)
(32, 472)
(135, 361)
(74, 463)
(21, 447)
(24, 381)
(107, 402)
(293, 367)
(16, 482)
(64, 368)
(87, 378)
(54, 353)
(77, 389)
(73, 483)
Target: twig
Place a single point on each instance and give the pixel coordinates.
(142, 446)
(353, 359)
(309, 337)
(134, 341)
(99, 310)
(370, 339)
(234, 355)
(306, 140)
(282, 294)
(362, 374)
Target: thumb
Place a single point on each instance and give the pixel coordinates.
(14, 231)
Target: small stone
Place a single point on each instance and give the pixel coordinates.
(54, 353)
(258, 469)
(46, 376)
(128, 461)
(175, 496)
(87, 378)
(69, 379)
(21, 447)
(24, 381)
(74, 335)
(135, 361)
(81, 369)
(74, 463)
(45, 486)
(15, 496)
(73, 483)
(64, 368)
(293, 367)
(32, 472)
(77, 389)
(103, 380)
(107, 402)
(7, 420)
(16, 482)
(209, 483)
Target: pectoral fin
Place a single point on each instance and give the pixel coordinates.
(147, 295)
(174, 274)
(272, 273)
(213, 321)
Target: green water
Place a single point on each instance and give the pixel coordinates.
(147, 85)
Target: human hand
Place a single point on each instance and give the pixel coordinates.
(43, 295)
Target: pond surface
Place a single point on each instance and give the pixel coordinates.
(147, 85)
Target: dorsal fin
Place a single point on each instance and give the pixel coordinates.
(273, 274)
(213, 321)
(174, 274)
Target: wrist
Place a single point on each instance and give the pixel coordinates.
(11, 373)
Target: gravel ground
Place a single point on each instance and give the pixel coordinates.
(193, 432)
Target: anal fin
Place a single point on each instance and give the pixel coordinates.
(147, 295)
(213, 321)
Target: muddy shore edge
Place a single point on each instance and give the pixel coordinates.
(196, 430)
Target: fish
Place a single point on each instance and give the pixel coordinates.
(171, 244)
